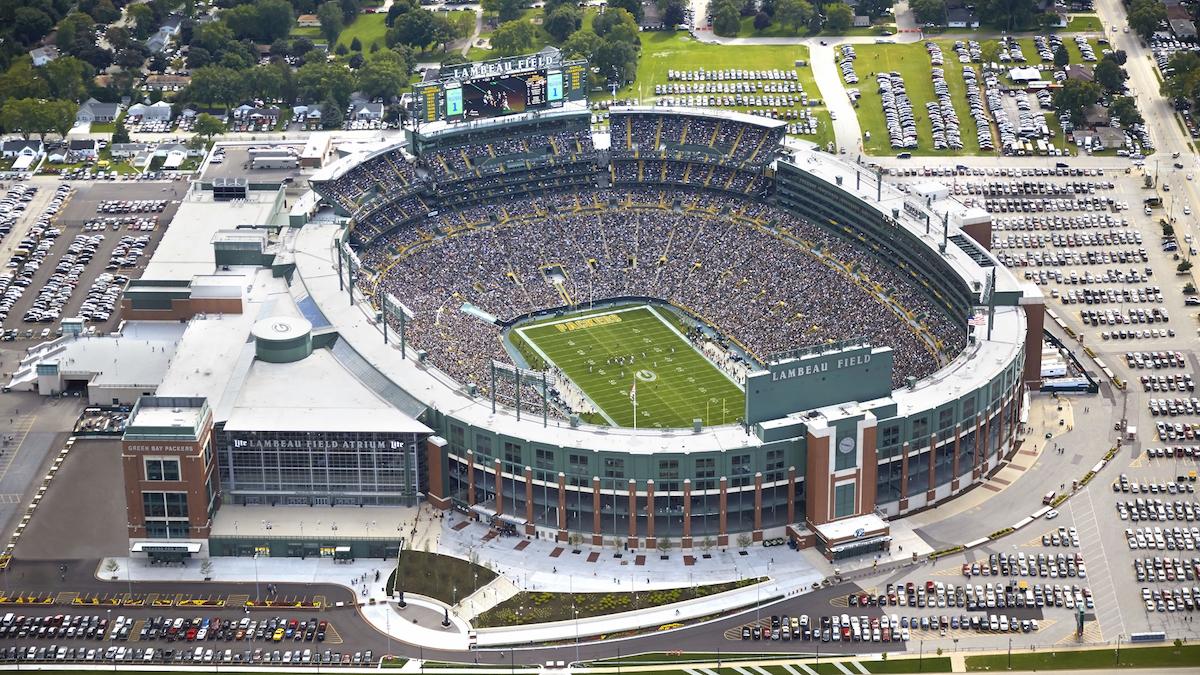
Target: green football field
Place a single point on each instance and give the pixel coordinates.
(675, 383)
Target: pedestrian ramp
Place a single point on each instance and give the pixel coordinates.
(491, 594)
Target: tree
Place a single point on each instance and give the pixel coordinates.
(207, 126)
(616, 57)
(1007, 14)
(1061, 56)
(274, 20)
(118, 37)
(675, 13)
(112, 567)
(350, 10)
(1110, 75)
(216, 37)
(383, 75)
(874, 8)
(132, 57)
(267, 81)
(563, 21)
(581, 44)
(726, 19)
(513, 37)
(105, 12)
(665, 545)
(793, 13)
(1145, 16)
(634, 7)
(21, 115)
(619, 25)
(744, 540)
(30, 25)
(1074, 98)
(330, 16)
(74, 26)
(331, 114)
(505, 10)
(67, 77)
(762, 21)
(302, 46)
(415, 29)
(142, 18)
(341, 50)
(321, 80)
(1125, 109)
(59, 116)
(1184, 267)
(1120, 57)
(356, 61)
(216, 84)
(928, 12)
(120, 134)
(1189, 288)
(356, 45)
(838, 17)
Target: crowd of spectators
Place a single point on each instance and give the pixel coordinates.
(462, 160)
(696, 174)
(738, 142)
(769, 290)
(383, 174)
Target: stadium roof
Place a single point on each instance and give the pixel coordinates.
(185, 251)
(569, 109)
(733, 116)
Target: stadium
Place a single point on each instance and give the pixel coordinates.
(680, 328)
(686, 327)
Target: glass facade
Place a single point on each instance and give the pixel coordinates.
(314, 468)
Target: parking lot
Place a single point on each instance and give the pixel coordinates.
(79, 251)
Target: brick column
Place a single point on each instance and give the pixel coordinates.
(930, 491)
(758, 481)
(686, 541)
(957, 447)
(597, 535)
(904, 477)
(499, 469)
(633, 538)
(471, 501)
(530, 527)
(979, 431)
(651, 541)
(723, 526)
(791, 495)
(983, 443)
(437, 460)
(562, 506)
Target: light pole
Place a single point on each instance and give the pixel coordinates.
(576, 611)
(1117, 661)
(257, 595)
(921, 657)
(1010, 653)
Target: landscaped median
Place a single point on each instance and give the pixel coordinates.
(529, 608)
(1090, 659)
(440, 577)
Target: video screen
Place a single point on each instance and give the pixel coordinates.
(504, 96)
(454, 102)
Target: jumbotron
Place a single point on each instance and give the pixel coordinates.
(683, 326)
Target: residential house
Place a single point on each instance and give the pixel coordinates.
(168, 31)
(961, 17)
(43, 55)
(127, 150)
(21, 148)
(862, 21)
(95, 111)
(308, 21)
(1181, 22)
(252, 115)
(84, 148)
(168, 82)
(1079, 71)
(367, 111)
(158, 112)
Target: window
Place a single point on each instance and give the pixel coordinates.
(843, 500)
(483, 448)
(544, 459)
(742, 471)
(512, 453)
(920, 431)
(968, 408)
(456, 436)
(578, 463)
(614, 467)
(162, 468)
(668, 469)
(706, 473)
(945, 419)
(165, 504)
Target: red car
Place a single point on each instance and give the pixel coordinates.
(191, 634)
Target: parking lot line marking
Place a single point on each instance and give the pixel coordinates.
(16, 445)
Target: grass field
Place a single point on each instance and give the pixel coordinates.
(912, 62)
(675, 383)
(368, 28)
(665, 50)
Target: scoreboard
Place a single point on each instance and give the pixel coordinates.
(501, 87)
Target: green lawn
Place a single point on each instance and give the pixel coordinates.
(310, 32)
(529, 608)
(368, 28)
(437, 576)
(1084, 23)
(675, 383)
(779, 30)
(1091, 659)
(665, 50)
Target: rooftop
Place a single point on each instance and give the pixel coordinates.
(849, 527)
(185, 251)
